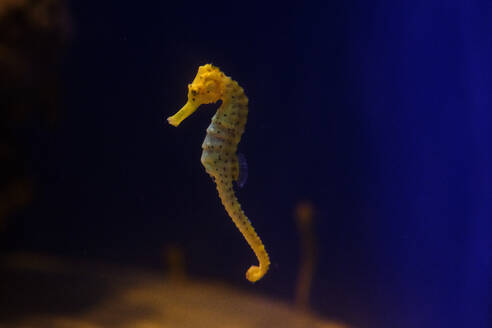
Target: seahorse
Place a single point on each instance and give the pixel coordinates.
(219, 148)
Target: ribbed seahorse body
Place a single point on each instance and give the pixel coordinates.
(219, 149)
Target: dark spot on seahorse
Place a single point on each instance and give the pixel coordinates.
(193, 99)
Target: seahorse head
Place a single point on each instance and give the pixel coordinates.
(207, 87)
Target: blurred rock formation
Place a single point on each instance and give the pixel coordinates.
(32, 35)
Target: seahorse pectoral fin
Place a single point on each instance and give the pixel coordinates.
(183, 113)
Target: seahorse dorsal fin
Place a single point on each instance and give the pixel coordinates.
(243, 170)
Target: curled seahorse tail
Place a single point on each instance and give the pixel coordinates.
(233, 208)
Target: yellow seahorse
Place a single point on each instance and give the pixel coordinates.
(219, 148)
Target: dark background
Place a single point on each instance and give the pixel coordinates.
(376, 111)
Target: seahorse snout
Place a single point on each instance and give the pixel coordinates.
(183, 113)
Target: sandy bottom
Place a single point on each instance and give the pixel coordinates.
(44, 292)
